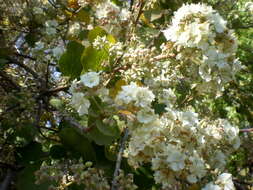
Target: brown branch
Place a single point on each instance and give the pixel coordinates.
(37, 122)
(78, 126)
(119, 159)
(25, 56)
(48, 128)
(5, 185)
(26, 68)
(131, 5)
(246, 130)
(9, 79)
(56, 90)
(141, 4)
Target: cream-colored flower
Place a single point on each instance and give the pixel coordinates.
(90, 79)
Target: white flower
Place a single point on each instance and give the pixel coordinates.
(51, 23)
(74, 29)
(167, 97)
(219, 23)
(231, 132)
(144, 97)
(146, 115)
(39, 45)
(197, 169)
(74, 86)
(82, 3)
(80, 103)
(58, 51)
(106, 8)
(176, 160)
(124, 14)
(51, 27)
(90, 79)
(189, 118)
(205, 72)
(225, 180)
(103, 93)
(127, 94)
(38, 10)
(249, 6)
(211, 186)
(50, 31)
(100, 42)
(219, 160)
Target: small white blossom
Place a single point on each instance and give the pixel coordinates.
(249, 6)
(51, 27)
(226, 181)
(146, 115)
(39, 45)
(58, 51)
(80, 103)
(211, 186)
(90, 79)
(38, 11)
(141, 96)
(74, 29)
(144, 97)
(176, 160)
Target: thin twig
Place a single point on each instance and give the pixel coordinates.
(246, 130)
(5, 185)
(37, 122)
(131, 5)
(9, 79)
(73, 122)
(25, 56)
(142, 3)
(119, 158)
(26, 68)
(56, 90)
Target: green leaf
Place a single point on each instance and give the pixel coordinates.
(26, 131)
(159, 108)
(99, 138)
(92, 58)
(153, 14)
(107, 129)
(29, 154)
(110, 154)
(58, 152)
(26, 178)
(118, 2)
(83, 16)
(70, 64)
(3, 61)
(111, 39)
(5, 53)
(74, 141)
(94, 33)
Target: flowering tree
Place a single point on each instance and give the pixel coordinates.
(124, 95)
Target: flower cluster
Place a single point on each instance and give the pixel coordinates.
(140, 96)
(80, 173)
(78, 89)
(180, 145)
(51, 26)
(249, 6)
(111, 17)
(201, 40)
(224, 181)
